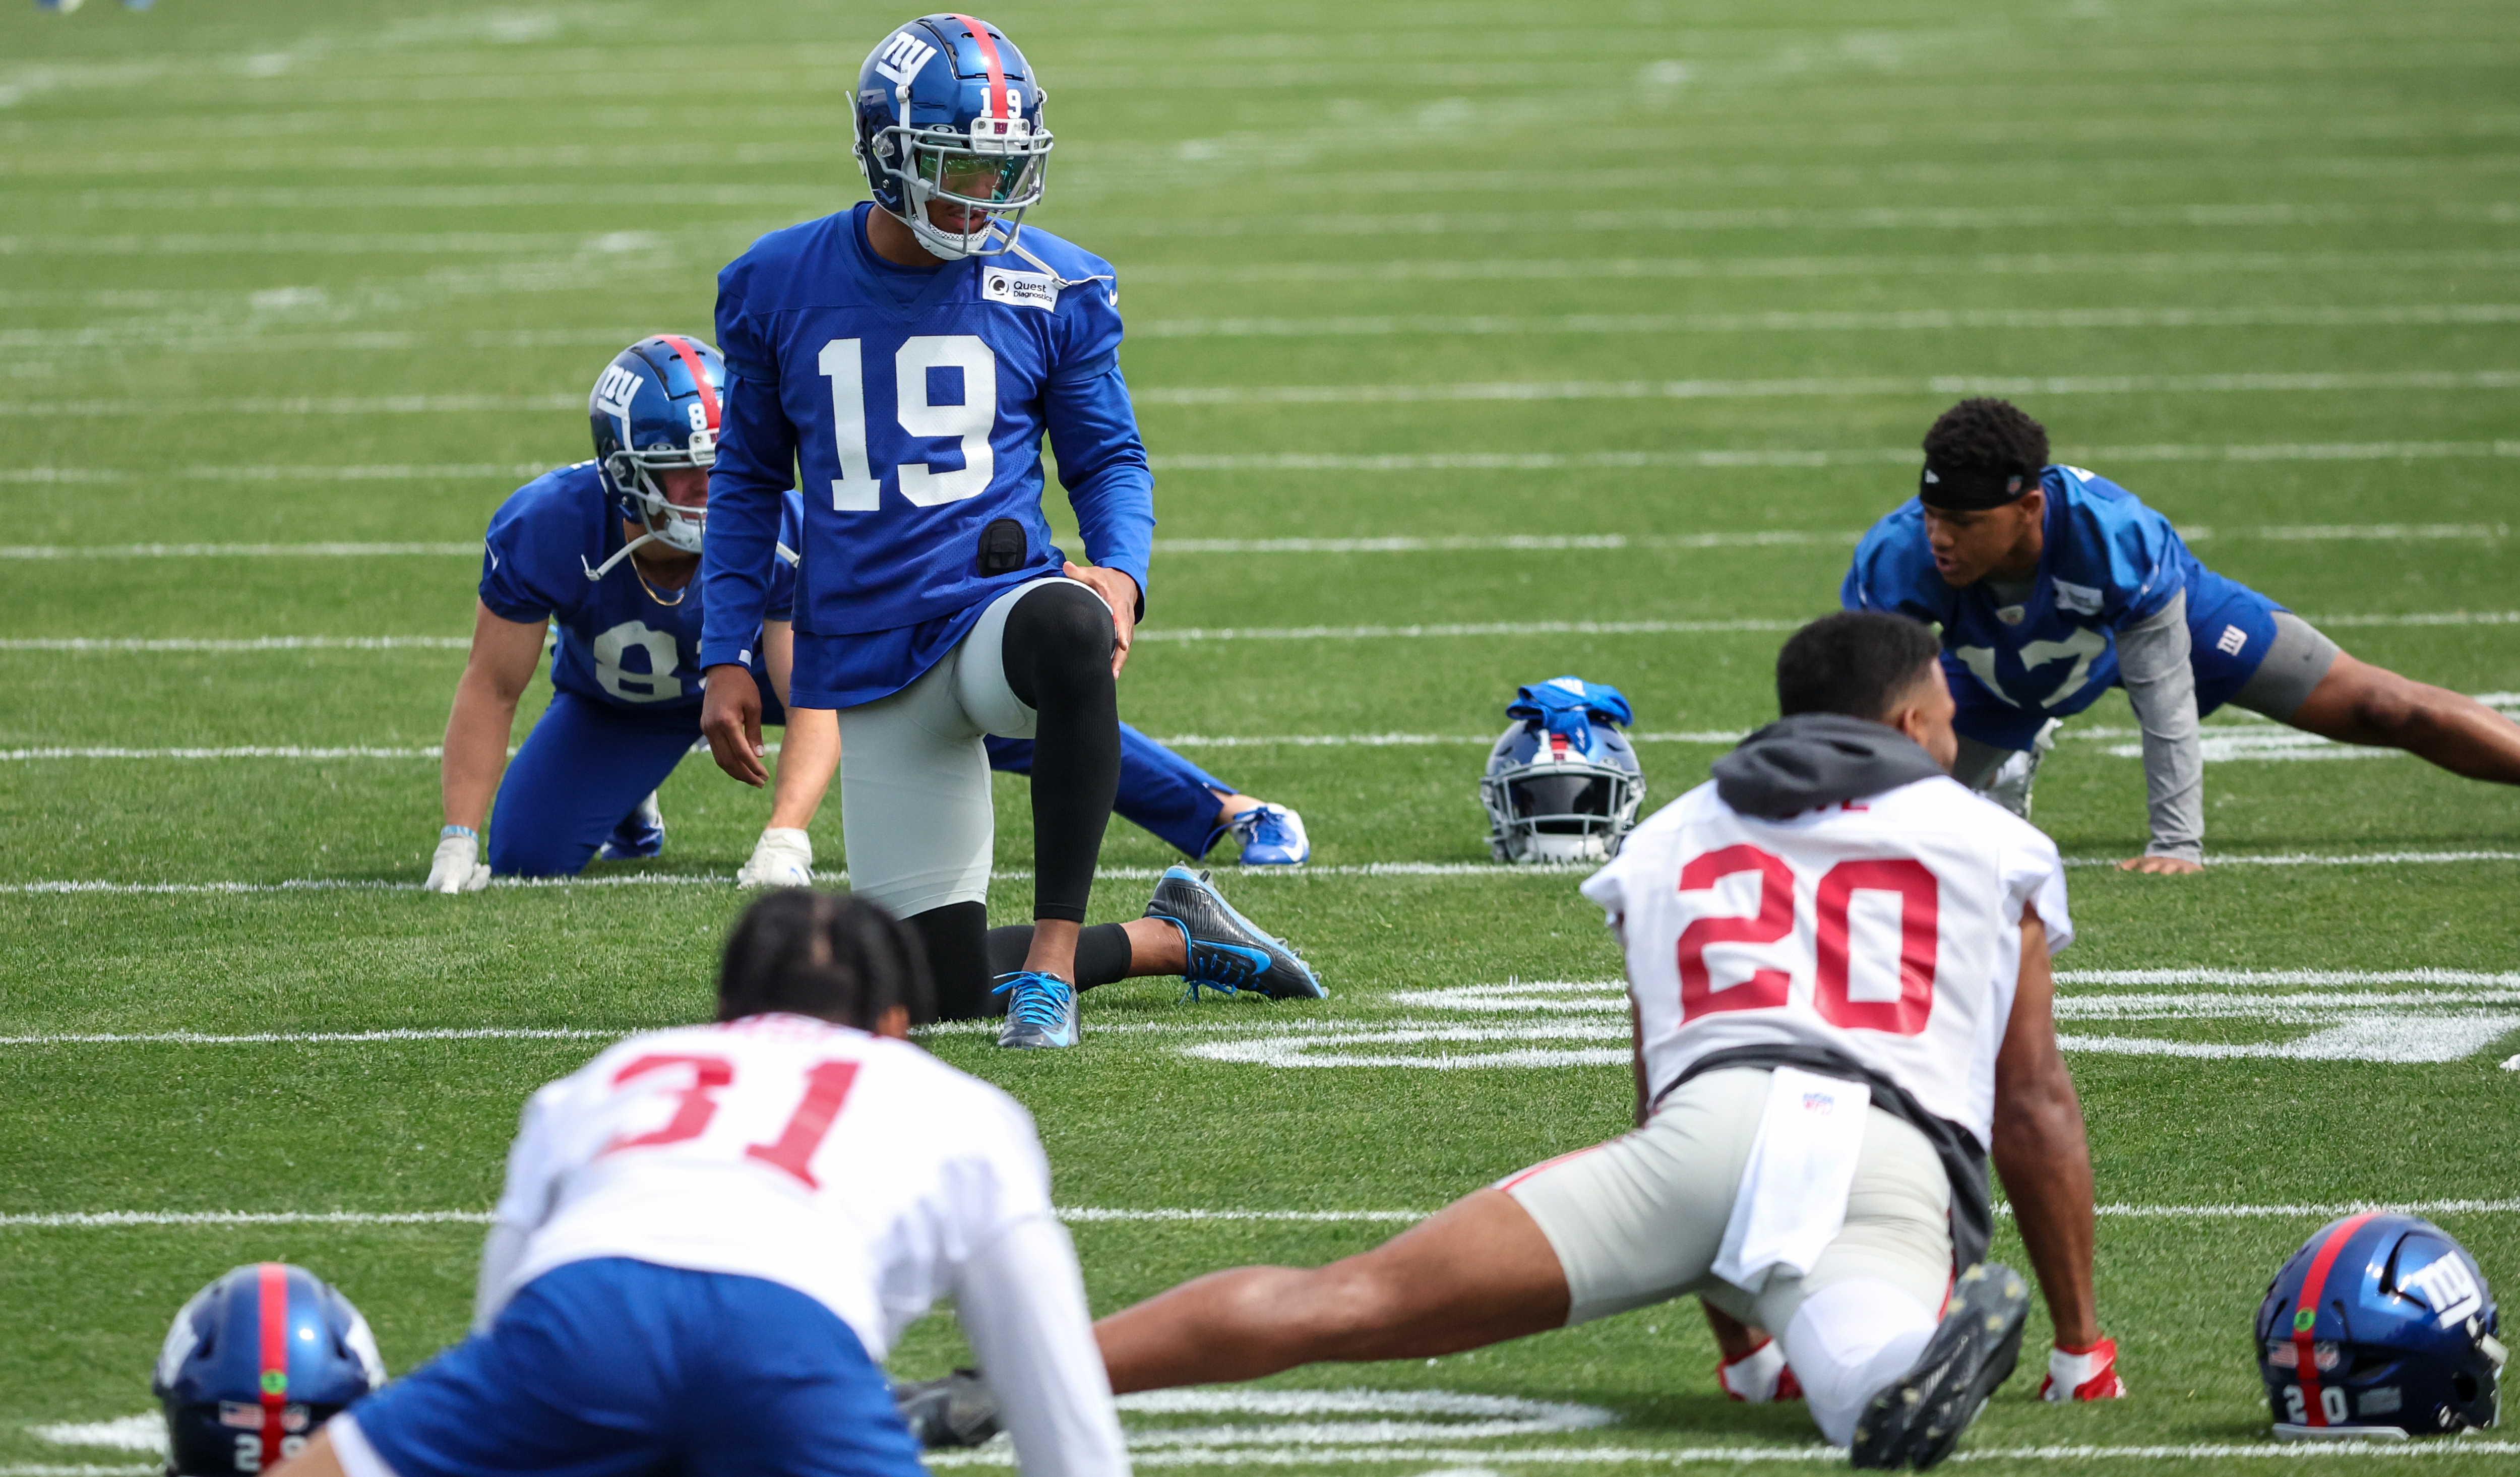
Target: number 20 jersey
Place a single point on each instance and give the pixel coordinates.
(858, 1169)
(1886, 928)
(911, 405)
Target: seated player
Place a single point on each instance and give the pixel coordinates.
(1838, 962)
(711, 1236)
(2052, 584)
(904, 362)
(607, 551)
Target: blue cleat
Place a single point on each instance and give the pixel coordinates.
(1227, 953)
(1272, 836)
(640, 833)
(1041, 1010)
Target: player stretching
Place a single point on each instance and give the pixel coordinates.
(906, 358)
(2052, 584)
(1837, 965)
(711, 1237)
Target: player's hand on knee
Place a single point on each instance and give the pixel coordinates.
(1120, 593)
(457, 866)
(2161, 867)
(731, 720)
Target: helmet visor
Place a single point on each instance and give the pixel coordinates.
(963, 175)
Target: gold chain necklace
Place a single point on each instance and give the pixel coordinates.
(679, 596)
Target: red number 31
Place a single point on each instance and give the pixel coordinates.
(826, 1087)
(1920, 939)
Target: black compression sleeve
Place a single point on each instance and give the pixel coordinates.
(1102, 952)
(955, 939)
(1058, 654)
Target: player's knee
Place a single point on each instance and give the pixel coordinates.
(2391, 707)
(1057, 637)
(536, 856)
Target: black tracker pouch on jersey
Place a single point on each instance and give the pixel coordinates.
(1004, 549)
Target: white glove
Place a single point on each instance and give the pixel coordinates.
(457, 867)
(783, 856)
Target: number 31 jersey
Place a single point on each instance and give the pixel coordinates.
(910, 405)
(1886, 928)
(860, 1171)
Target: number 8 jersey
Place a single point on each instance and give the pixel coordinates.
(910, 406)
(1887, 929)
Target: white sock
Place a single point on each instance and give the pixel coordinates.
(1848, 1340)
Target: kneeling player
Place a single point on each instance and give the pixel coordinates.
(711, 1237)
(1837, 961)
(606, 552)
(2052, 584)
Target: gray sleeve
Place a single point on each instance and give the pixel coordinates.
(2152, 663)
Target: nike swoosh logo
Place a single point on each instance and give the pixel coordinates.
(1259, 961)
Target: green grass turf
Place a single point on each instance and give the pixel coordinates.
(297, 204)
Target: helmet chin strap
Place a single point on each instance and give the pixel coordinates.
(596, 572)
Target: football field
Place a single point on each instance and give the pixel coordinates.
(1474, 343)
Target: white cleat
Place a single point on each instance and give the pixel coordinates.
(783, 856)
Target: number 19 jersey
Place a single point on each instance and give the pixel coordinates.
(910, 405)
(1886, 928)
(860, 1171)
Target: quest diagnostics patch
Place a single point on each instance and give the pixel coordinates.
(1024, 289)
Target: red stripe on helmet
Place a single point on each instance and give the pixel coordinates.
(691, 357)
(272, 1309)
(989, 59)
(2304, 1346)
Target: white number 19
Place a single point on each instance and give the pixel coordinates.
(857, 489)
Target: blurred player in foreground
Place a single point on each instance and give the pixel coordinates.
(711, 1236)
(606, 552)
(1837, 965)
(2052, 584)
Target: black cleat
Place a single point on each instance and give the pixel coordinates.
(1919, 1417)
(957, 1411)
(1227, 952)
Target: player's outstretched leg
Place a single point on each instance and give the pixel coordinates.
(1182, 804)
(2357, 703)
(1190, 930)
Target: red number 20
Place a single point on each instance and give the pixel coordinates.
(1920, 939)
(1773, 921)
(826, 1088)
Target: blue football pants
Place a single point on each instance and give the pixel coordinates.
(616, 1368)
(1159, 789)
(587, 765)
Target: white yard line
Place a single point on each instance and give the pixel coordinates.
(1485, 1459)
(1316, 871)
(1842, 387)
(126, 644)
(1913, 320)
(1752, 456)
(106, 1220)
(1392, 544)
(1610, 270)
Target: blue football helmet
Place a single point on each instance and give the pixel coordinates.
(1562, 783)
(2380, 1325)
(948, 111)
(657, 405)
(255, 1361)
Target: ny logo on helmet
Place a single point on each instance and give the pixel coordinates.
(2449, 1288)
(613, 395)
(901, 56)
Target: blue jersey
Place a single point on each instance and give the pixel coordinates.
(2107, 561)
(910, 406)
(619, 645)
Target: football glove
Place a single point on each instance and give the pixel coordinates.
(783, 856)
(2083, 1374)
(1759, 1377)
(457, 867)
(957, 1411)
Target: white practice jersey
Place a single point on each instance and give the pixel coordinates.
(860, 1171)
(1887, 929)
